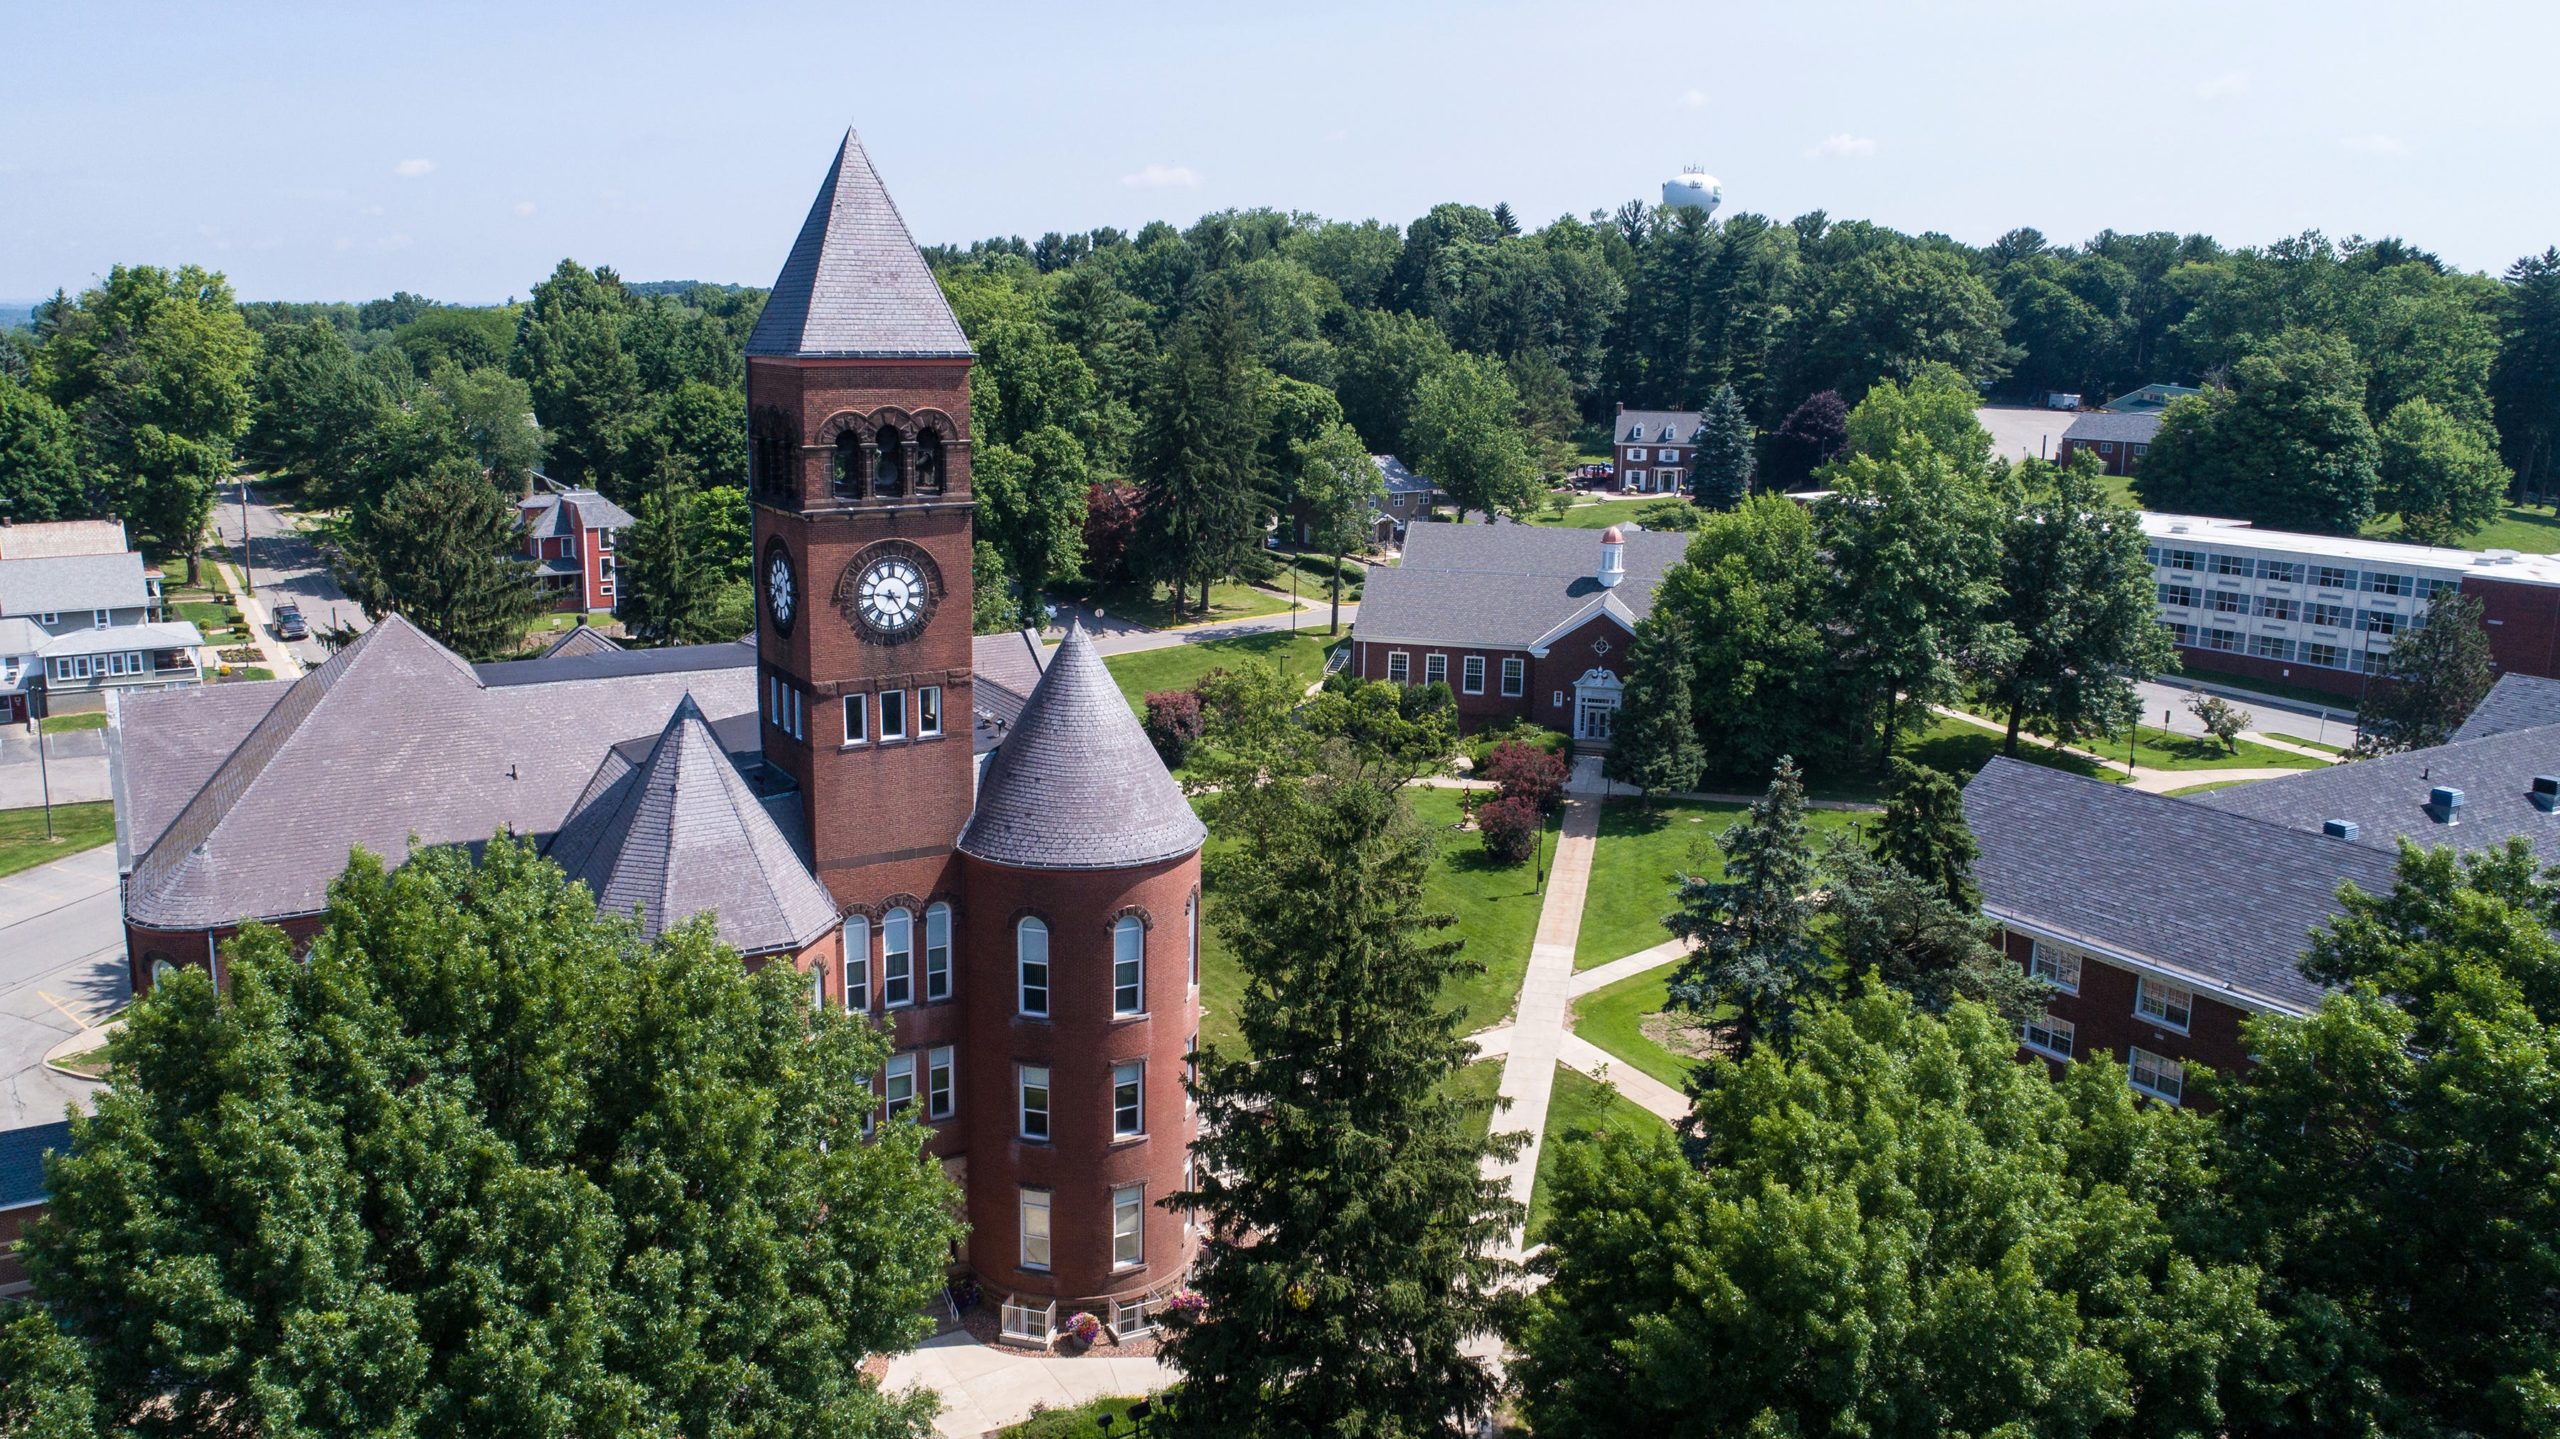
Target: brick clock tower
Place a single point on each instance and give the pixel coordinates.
(1033, 951)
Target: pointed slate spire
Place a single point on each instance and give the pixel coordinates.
(854, 287)
(1075, 785)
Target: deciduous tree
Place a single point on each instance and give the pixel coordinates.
(2077, 592)
(1341, 491)
(39, 459)
(1466, 436)
(2285, 445)
(2438, 473)
(2430, 681)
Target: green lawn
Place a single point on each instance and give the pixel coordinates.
(1179, 667)
(1599, 514)
(1496, 909)
(1944, 744)
(75, 826)
(1082, 1422)
(1635, 868)
(1613, 1018)
(2161, 749)
(1582, 1109)
(215, 621)
(2206, 787)
(65, 724)
(2528, 529)
(1477, 1087)
(1227, 601)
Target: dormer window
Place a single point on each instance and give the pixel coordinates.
(1635, 432)
(1670, 432)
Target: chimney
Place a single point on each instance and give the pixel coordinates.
(1613, 557)
(1622, 407)
(2444, 802)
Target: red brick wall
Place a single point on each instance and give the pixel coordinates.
(2104, 1015)
(1080, 1043)
(1565, 662)
(2117, 458)
(2524, 624)
(191, 946)
(2342, 683)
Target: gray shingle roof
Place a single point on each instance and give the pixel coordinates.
(164, 635)
(22, 1153)
(2386, 796)
(854, 285)
(1645, 427)
(580, 640)
(2516, 701)
(680, 833)
(2228, 900)
(1503, 586)
(1397, 478)
(2136, 427)
(1075, 784)
(1005, 670)
(62, 537)
(64, 583)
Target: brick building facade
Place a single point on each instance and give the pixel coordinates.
(1655, 450)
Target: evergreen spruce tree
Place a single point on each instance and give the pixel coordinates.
(670, 594)
(440, 547)
(1886, 921)
(2430, 682)
(1725, 440)
(1655, 746)
(1754, 927)
(1922, 829)
(1352, 1251)
(1199, 457)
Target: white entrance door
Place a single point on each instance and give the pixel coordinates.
(1595, 705)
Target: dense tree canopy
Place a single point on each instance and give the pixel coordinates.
(2286, 445)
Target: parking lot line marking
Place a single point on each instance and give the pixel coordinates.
(64, 1010)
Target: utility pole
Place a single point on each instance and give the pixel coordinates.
(248, 577)
(44, 767)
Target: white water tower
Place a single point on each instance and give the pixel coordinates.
(1693, 189)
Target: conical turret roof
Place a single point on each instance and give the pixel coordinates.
(1075, 785)
(854, 286)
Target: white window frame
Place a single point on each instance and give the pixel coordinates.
(2168, 1005)
(2168, 1077)
(937, 952)
(49, 617)
(857, 964)
(857, 719)
(2054, 965)
(100, 619)
(2049, 1034)
(1471, 674)
(1128, 967)
(1024, 963)
(1435, 668)
(1635, 479)
(1026, 1079)
(1637, 455)
(1515, 677)
(897, 959)
(1034, 1214)
(941, 1083)
(1129, 1082)
(893, 716)
(1129, 1239)
(817, 986)
(928, 711)
(1399, 667)
(898, 1084)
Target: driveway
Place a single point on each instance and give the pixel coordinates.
(286, 567)
(2023, 433)
(62, 971)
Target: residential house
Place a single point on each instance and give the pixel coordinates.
(2118, 440)
(1655, 450)
(1406, 497)
(569, 534)
(78, 625)
(1521, 621)
(2153, 397)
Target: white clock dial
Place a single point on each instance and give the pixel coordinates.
(778, 590)
(892, 594)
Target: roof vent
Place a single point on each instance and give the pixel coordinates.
(2445, 803)
(2338, 828)
(2546, 792)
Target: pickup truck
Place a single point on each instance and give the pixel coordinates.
(289, 624)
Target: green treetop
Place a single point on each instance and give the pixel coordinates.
(1655, 745)
(2077, 593)
(2430, 682)
(1756, 953)
(1466, 437)
(440, 545)
(1722, 475)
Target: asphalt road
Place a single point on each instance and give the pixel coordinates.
(2269, 716)
(286, 567)
(61, 969)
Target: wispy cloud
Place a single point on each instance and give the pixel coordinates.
(392, 242)
(1163, 177)
(1846, 145)
(2229, 85)
(412, 169)
(524, 207)
(1694, 99)
(2376, 144)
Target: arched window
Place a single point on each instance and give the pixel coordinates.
(928, 463)
(1191, 926)
(857, 963)
(1031, 968)
(887, 480)
(817, 986)
(847, 474)
(897, 959)
(161, 966)
(1128, 966)
(937, 951)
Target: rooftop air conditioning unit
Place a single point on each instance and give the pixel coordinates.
(2338, 828)
(2445, 803)
(2546, 792)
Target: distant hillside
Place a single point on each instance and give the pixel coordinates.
(17, 314)
(678, 287)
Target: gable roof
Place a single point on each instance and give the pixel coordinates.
(854, 286)
(580, 640)
(1645, 427)
(1506, 586)
(22, 1153)
(2516, 701)
(679, 833)
(2152, 396)
(62, 537)
(1075, 784)
(2225, 902)
(2386, 795)
(2136, 427)
(1398, 478)
(61, 583)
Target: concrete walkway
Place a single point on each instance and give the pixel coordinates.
(1115, 636)
(1601, 976)
(1651, 1093)
(1538, 1026)
(2145, 777)
(985, 1387)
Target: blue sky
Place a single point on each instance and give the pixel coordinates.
(343, 151)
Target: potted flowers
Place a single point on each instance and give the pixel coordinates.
(1082, 1327)
(1185, 1304)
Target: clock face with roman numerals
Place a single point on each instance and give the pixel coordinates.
(781, 588)
(889, 590)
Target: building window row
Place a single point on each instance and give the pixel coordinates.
(894, 712)
(782, 707)
(2054, 965)
(2171, 1006)
(898, 1083)
(1032, 1100)
(1471, 672)
(2048, 1035)
(1128, 964)
(81, 667)
(1128, 1228)
(2156, 1075)
(2321, 576)
(897, 958)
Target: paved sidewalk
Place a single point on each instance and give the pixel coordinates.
(280, 660)
(985, 1388)
(1538, 1025)
(1656, 1096)
(1602, 976)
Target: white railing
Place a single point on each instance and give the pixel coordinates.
(1134, 1317)
(1031, 1323)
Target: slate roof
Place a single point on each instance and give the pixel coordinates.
(2223, 900)
(242, 800)
(680, 833)
(1645, 427)
(1005, 670)
(2386, 796)
(1398, 478)
(61, 583)
(564, 512)
(2516, 701)
(62, 537)
(22, 1153)
(2153, 397)
(2135, 428)
(854, 285)
(1505, 586)
(618, 663)
(580, 640)
(1076, 785)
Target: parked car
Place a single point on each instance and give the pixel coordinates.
(290, 624)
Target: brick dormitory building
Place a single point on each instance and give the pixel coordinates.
(2163, 922)
(979, 851)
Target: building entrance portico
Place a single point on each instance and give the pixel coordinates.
(1595, 705)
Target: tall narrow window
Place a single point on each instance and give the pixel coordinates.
(1128, 966)
(1399, 667)
(857, 963)
(937, 952)
(1033, 1083)
(1435, 669)
(1031, 968)
(846, 477)
(857, 715)
(928, 711)
(897, 959)
(928, 463)
(893, 714)
(938, 1098)
(886, 481)
(902, 1083)
(1128, 1227)
(1515, 677)
(817, 986)
(1035, 1229)
(1471, 674)
(1191, 928)
(1128, 1100)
